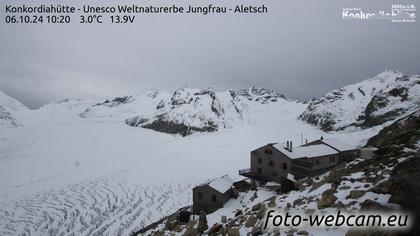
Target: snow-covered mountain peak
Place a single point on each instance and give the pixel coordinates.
(261, 95)
(368, 103)
(184, 110)
(10, 103)
(388, 74)
(9, 107)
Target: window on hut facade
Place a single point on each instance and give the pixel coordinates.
(259, 171)
(317, 162)
(332, 159)
(200, 195)
(270, 163)
(259, 160)
(284, 166)
(213, 198)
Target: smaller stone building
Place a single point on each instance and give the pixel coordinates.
(213, 195)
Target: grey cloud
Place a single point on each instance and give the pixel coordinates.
(301, 48)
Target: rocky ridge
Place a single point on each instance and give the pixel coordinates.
(186, 110)
(9, 108)
(369, 103)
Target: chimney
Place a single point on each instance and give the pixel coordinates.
(306, 141)
(291, 146)
(322, 137)
(287, 145)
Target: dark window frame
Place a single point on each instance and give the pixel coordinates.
(213, 198)
(285, 166)
(268, 152)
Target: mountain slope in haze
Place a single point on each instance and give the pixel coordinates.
(186, 110)
(369, 103)
(8, 109)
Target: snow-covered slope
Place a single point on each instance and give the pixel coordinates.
(64, 174)
(371, 102)
(186, 110)
(8, 109)
(76, 167)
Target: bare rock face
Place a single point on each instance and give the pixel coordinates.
(215, 229)
(251, 221)
(405, 189)
(8, 120)
(373, 114)
(327, 199)
(355, 194)
(9, 109)
(190, 111)
(256, 207)
(256, 231)
(400, 140)
(136, 121)
(233, 232)
(370, 205)
(382, 188)
(191, 232)
(302, 232)
(162, 124)
(171, 222)
(406, 131)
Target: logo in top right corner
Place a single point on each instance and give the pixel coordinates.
(405, 13)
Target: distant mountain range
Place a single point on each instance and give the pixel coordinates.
(96, 166)
(369, 103)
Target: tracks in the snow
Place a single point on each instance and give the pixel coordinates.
(109, 206)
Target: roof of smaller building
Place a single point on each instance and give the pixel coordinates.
(306, 151)
(338, 144)
(239, 178)
(222, 184)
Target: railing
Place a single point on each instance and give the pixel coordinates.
(245, 171)
(301, 168)
(302, 163)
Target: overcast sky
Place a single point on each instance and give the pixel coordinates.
(300, 48)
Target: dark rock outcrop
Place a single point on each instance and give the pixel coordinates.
(327, 199)
(8, 120)
(372, 102)
(163, 125)
(404, 131)
(405, 189)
